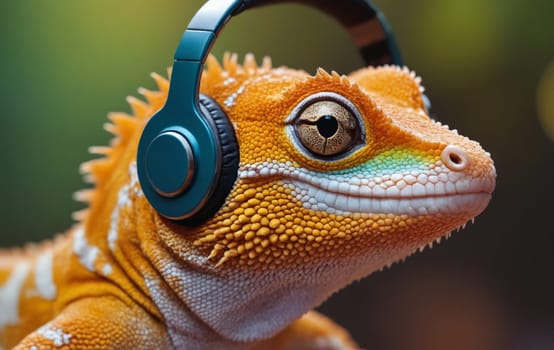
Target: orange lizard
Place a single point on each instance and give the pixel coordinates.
(295, 228)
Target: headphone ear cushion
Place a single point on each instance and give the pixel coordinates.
(229, 162)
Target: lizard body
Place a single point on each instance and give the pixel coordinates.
(339, 176)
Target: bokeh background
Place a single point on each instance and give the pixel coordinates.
(488, 66)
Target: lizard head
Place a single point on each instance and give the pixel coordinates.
(339, 176)
(338, 166)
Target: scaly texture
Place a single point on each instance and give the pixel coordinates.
(339, 176)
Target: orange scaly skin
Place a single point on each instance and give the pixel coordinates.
(308, 215)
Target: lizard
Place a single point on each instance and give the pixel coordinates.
(339, 176)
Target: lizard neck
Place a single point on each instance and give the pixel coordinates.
(237, 306)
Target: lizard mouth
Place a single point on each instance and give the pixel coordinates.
(317, 198)
(429, 193)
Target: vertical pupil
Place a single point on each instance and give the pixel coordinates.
(327, 125)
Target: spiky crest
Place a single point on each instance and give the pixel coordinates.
(231, 69)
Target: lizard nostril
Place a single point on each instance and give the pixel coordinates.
(454, 158)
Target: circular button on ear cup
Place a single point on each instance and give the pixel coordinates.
(169, 179)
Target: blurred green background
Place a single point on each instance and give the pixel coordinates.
(488, 66)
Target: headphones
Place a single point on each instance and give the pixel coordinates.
(188, 155)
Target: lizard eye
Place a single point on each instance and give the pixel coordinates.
(326, 125)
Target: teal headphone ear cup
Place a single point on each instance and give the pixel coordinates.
(229, 162)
